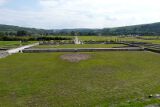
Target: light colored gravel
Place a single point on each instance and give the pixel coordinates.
(3, 54)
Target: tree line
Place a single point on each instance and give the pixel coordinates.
(146, 29)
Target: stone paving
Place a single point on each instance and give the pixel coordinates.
(3, 54)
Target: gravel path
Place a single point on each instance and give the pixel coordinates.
(3, 54)
(16, 50)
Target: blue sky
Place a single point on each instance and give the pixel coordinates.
(22, 4)
(58, 14)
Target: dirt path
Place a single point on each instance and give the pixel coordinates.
(76, 57)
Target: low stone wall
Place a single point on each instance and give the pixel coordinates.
(152, 50)
(100, 42)
(147, 46)
(81, 50)
(3, 49)
(55, 42)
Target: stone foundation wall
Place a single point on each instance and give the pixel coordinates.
(81, 50)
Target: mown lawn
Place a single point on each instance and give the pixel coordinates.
(97, 38)
(117, 79)
(133, 39)
(118, 38)
(12, 44)
(81, 46)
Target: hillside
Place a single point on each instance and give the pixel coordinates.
(145, 29)
(11, 28)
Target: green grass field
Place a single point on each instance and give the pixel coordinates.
(117, 79)
(140, 40)
(97, 38)
(12, 44)
(118, 38)
(81, 46)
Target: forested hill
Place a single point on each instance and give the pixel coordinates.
(145, 29)
(11, 28)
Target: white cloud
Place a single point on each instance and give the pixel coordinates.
(2, 2)
(85, 13)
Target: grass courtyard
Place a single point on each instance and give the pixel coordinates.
(13, 44)
(117, 79)
(118, 38)
(81, 46)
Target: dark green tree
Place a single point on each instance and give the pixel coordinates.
(22, 33)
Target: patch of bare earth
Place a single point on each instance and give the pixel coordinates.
(75, 57)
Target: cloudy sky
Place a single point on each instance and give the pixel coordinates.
(59, 14)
